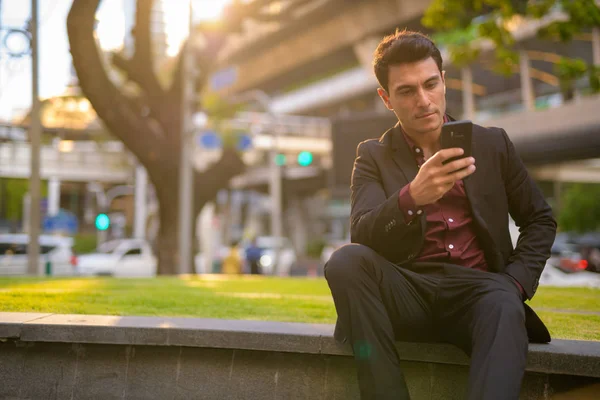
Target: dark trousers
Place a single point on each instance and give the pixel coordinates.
(378, 303)
(255, 268)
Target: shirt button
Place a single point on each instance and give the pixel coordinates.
(419, 212)
(410, 212)
(450, 220)
(451, 246)
(418, 150)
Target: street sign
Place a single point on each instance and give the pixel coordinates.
(244, 142)
(223, 78)
(63, 222)
(209, 140)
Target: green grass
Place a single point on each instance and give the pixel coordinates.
(247, 297)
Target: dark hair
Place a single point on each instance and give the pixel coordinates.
(400, 48)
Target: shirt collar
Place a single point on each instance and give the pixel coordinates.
(417, 151)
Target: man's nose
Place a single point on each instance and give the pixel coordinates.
(422, 99)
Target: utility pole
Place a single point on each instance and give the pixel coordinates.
(33, 250)
(186, 172)
(275, 170)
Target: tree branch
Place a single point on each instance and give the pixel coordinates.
(119, 113)
(209, 182)
(142, 63)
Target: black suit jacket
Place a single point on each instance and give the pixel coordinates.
(500, 186)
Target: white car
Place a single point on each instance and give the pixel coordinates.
(56, 254)
(120, 258)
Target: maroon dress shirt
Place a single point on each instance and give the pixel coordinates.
(449, 236)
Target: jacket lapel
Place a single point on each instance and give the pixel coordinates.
(402, 154)
(473, 185)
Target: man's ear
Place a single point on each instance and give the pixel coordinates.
(444, 80)
(385, 98)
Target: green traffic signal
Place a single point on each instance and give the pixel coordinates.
(102, 222)
(305, 158)
(280, 159)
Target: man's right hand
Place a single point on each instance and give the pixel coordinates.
(435, 179)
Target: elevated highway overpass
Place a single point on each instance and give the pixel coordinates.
(569, 132)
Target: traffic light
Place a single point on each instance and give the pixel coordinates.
(280, 159)
(305, 158)
(102, 222)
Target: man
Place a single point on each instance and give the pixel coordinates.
(253, 254)
(431, 257)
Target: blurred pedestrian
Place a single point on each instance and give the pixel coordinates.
(253, 254)
(232, 263)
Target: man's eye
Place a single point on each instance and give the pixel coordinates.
(431, 85)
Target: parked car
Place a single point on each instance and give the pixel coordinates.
(574, 253)
(120, 258)
(56, 254)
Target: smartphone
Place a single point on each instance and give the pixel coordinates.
(457, 134)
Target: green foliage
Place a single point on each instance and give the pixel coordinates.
(15, 190)
(580, 208)
(460, 44)
(315, 247)
(84, 243)
(594, 77)
(454, 20)
(569, 70)
(219, 111)
(216, 107)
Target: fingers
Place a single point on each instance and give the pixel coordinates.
(463, 173)
(458, 164)
(446, 154)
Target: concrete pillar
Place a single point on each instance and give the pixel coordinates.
(298, 224)
(527, 92)
(596, 46)
(252, 218)
(26, 212)
(364, 49)
(237, 200)
(53, 196)
(468, 98)
(140, 197)
(209, 237)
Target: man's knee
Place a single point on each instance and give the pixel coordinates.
(504, 305)
(349, 260)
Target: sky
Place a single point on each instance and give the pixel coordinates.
(54, 57)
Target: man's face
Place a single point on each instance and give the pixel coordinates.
(417, 95)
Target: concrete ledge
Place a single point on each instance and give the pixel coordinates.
(261, 349)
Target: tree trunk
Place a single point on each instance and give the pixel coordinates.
(154, 137)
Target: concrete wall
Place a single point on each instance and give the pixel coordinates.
(47, 356)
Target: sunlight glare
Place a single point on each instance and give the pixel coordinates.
(177, 17)
(111, 25)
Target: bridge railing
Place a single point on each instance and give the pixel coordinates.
(98, 163)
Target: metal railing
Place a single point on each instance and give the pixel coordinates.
(81, 164)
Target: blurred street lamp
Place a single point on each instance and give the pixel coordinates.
(66, 146)
(17, 42)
